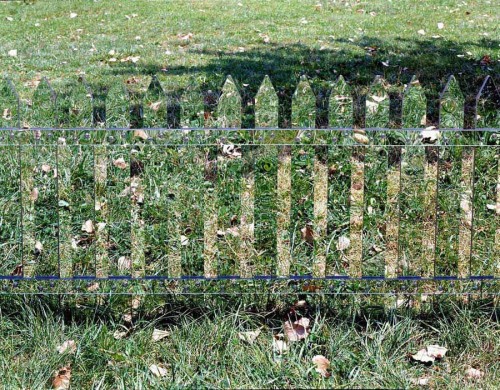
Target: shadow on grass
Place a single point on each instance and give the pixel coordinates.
(432, 61)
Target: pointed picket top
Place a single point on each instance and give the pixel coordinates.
(340, 107)
(414, 105)
(488, 105)
(42, 112)
(192, 108)
(117, 106)
(377, 104)
(74, 105)
(229, 105)
(266, 105)
(451, 111)
(303, 105)
(9, 104)
(154, 105)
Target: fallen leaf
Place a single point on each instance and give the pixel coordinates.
(184, 240)
(34, 194)
(141, 134)
(9, 18)
(322, 365)
(45, 168)
(440, 25)
(159, 334)
(250, 336)
(280, 346)
(423, 356)
(231, 151)
(298, 330)
(424, 381)
(120, 334)
(185, 37)
(73, 15)
(127, 317)
(343, 243)
(429, 135)
(156, 105)
(124, 263)
(421, 32)
(307, 234)
(38, 247)
(436, 351)
(12, 53)
(361, 138)
(62, 378)
(158, 370)
(68, 346)
(6, 114)
(18, 271)
(120, 163)
(474, 373)
(265, 38)
(88, 227)
(93, 287)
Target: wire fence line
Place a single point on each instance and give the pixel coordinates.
(173, 194)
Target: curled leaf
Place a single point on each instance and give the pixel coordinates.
(88, 227)
(159, 334)
(322, 365)
(298, 330)
(249, 337)
(120, 163)
(62, 378)
(474, 373)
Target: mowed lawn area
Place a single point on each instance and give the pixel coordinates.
(368, 340)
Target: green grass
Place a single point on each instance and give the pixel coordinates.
(366, 349)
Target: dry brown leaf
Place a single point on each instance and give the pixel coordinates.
(120, 163)
(140, 134)
(6, 114)
(250, 336)
(474, 373)
(322, 365)
(34, 194)
(307, 234)
(93, 287)
(62, 378)
(297, 330)
(124, 263)
(158, 370)
(159, 334)
(155, 106)
(361, 138)
(68, 346)
(88, 227)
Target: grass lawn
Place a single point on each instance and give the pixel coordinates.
(111, 203)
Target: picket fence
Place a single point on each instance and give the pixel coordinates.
(167, 191)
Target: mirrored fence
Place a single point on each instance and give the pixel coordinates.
(171, 205)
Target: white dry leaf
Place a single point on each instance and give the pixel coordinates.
(423, 357)
(297, 330)
(361, 139)
(34, 194)
(378, 99)
(73, 15)
(120, 334)
(184, 240)
(474, 373)
(124, 263)
(9, 18)
(436, 351)
(421, 32)
(88, 226)
(250, 336)
(430, 135)
(101, 226)
(440, 25)
(424, 381)
(38, 247)
(6, 114)
(141, 134)
(371, 106)
(343, 243)
(12, 53)
(93, 287)
(68, 346)
(120, 163)
(279, 346)
(112, 59)
(322, 365)
(159, 334)
(45, 168)
(158, 370)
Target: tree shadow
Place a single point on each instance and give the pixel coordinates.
(432, 61)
